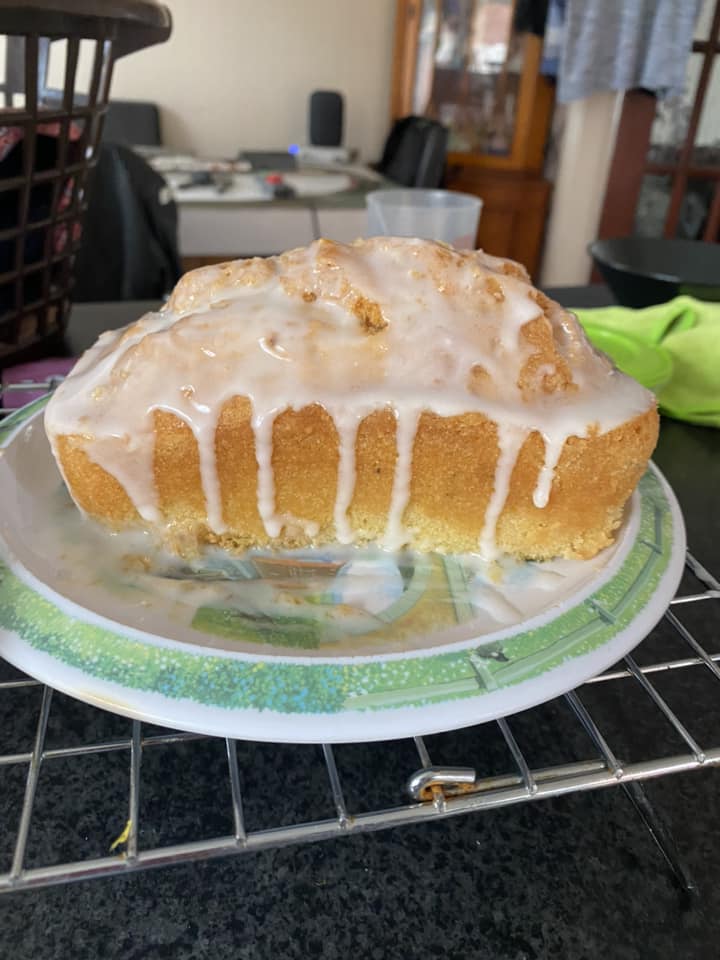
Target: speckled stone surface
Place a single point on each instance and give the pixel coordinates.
(576, 877)
(573, 878)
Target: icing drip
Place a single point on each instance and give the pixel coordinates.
(510, 440)
(396, 535)
(203, 426)
(130, 462)
(205, 437)
(347, 428)
(553, 449)
(262, 425)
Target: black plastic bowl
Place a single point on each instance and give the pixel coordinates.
(641, 271)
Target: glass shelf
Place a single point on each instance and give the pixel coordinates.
(468, 72)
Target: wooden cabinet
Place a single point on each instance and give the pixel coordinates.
(515, 207)
(464, 63)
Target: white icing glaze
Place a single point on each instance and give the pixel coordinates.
(382, 322)
(395, 534)
(347, 424)
(130, 460)
(554, 444)
(262, 424)
(510, 440)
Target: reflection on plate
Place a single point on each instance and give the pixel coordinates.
(315, 645)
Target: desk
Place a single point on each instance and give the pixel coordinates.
(245, 220)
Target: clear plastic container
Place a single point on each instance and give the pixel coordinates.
(429, 214)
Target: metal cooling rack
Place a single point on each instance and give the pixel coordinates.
(430, 791)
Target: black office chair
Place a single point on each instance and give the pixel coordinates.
(135, 123)
(414, 154)
(129, 247)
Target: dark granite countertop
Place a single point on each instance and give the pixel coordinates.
(574, 877)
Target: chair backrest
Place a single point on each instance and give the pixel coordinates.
(129, 248)
(414, 154)
(135, 123)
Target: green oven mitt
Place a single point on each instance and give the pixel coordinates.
(672, 348)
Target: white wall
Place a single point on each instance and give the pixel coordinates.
(238, 73)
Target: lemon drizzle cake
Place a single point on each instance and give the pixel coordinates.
(391, 390)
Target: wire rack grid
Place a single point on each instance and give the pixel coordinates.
(589, 752)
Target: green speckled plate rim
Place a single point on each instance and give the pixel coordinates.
(332, 688)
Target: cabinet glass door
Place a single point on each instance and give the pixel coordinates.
(468, 70)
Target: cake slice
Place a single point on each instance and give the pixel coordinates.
(390, 391)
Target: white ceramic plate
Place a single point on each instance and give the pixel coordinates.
(313, 646)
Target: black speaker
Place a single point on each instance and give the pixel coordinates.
(326, 119)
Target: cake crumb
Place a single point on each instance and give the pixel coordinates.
(494, 288)
(369, 314)
(541, 300)
(512, 269)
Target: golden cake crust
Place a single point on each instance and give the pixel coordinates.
(453, 469)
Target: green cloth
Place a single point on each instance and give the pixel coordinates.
(689, 330)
